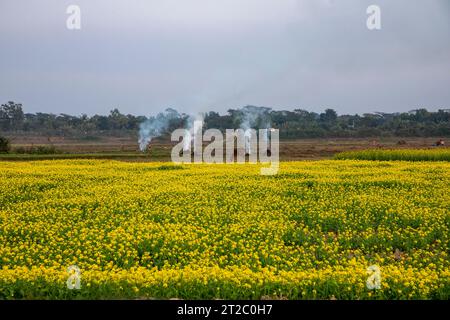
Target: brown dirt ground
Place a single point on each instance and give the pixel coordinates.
(299, 149)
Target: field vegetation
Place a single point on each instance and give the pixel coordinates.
(154, 230)
(437, 154)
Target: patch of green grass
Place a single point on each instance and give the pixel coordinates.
(438, 154)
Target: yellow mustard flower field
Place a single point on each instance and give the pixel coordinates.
(316, 230)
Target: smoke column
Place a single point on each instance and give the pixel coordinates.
(191, 131)
(187, 141)
(155, 127)
(253, 117)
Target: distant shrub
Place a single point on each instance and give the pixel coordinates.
(45, 150)
(89, 138)
(36, 150)
(20, 150)
(5, 145)
(405, 155)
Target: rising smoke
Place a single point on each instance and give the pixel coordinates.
(155, 127)
(190, 134)
(250, 117)
(253, 118)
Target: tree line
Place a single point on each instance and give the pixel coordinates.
(293, 124)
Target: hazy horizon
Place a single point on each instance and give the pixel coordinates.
(197, 55)
(26, 111)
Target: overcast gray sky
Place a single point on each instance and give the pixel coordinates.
(143, 56)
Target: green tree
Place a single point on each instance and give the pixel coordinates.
(11, 116)
(4, 145)
(330, 116)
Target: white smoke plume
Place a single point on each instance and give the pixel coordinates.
(252, 118)
(190, 134)
(187, 140)
(155, 127)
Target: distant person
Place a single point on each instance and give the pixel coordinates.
(440, 143)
